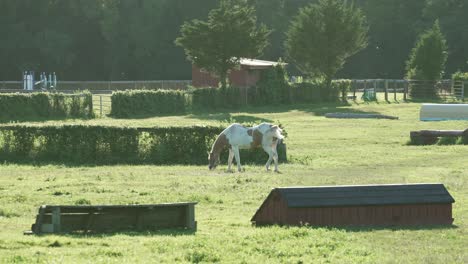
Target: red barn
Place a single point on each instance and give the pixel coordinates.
(248, 74)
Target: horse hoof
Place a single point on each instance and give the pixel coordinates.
(277, 171)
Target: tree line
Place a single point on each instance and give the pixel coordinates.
(127, 40)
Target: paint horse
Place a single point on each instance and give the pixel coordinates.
(237, 137)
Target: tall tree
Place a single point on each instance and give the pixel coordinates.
(393, 28)
(322, 36)
(454, 23)
(427, 60)
(230, 33)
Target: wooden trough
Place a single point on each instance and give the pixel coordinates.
(427, 137)
(113, 218)
(365, 205)
(442, 112)
(359, 115)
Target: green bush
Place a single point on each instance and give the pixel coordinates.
(21, 106)
(272, 88)
(343, 86)
(427, 62)
(147, 102)
(83, 144)
(217, 98)
(306, 92)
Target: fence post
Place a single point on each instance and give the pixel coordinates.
(100, 104)
(386, 90)
(463, 91)
(405, 89)
(394, 89)
(354, 89)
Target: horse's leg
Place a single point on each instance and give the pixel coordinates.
(275, 154)
(231, 156)
(275, 159)
(270, 156)
(236, 154)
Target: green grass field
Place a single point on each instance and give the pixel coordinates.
(322, 152)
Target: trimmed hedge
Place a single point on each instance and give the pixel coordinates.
(147, 102)
(272, 89)
(82, 144)
(20, 106)
(217, 98)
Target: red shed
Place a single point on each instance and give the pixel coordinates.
(248, 74)
(400, 204)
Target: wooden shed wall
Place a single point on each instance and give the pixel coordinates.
(274, 210)
(238, 78)
(417, 214)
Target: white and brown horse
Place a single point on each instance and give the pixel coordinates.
(237, 137)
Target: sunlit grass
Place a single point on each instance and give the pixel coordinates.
(322, 152)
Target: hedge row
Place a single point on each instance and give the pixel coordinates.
(147, 102)
(273, 88)
(82, 144)
(20, 106)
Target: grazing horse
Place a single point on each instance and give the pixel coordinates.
(237, 137)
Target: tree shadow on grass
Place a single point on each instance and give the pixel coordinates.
(39, 119)
(144, 116)
(230, 118)
(315, 109)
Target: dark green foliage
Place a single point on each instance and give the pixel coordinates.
(273, 87)
(82, 144)
(343, 86)
(147, 102)
(307, 92)
(45, 105)
(134, 40)
(427, 62)
(230, 33)
(217, 98)
(323, 35)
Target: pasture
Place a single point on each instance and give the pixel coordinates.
(321, 151)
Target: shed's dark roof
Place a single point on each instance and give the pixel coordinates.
(365, 195)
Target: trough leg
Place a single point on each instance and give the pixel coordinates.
(56, 220)
(37, 227)
(190, 220)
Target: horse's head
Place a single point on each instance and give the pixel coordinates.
(213, 160)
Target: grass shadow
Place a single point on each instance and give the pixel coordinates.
(370, 228)
(173, 232)
(144, 116)
(229, 118)
(318, 109)
(358, 229)
(42, 119)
